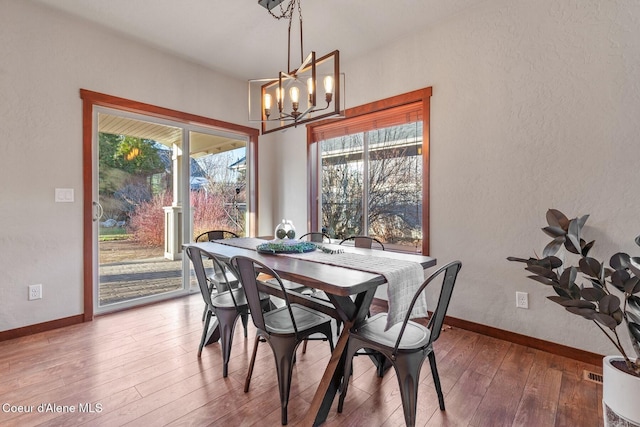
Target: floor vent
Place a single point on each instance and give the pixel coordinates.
(592, 376)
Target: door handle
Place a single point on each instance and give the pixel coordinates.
(97, 211)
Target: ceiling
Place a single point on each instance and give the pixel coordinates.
(240, 38)
(201, 143)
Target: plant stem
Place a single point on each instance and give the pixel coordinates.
(616, 344)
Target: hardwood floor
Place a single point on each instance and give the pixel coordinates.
(139, 368)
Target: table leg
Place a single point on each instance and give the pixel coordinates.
(330, 382)
(351, 313)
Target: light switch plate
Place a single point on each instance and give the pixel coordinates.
(64, 195)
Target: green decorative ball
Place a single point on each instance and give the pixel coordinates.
(281, 233)
(291, 234)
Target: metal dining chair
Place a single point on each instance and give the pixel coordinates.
(221, 278)
(283, 328)
(227, 306)
(405, 344)
(366, 242)
(316, 236)
(211, 235)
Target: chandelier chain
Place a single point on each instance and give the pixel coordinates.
(287, 13)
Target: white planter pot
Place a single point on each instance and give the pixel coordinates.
(620, 396)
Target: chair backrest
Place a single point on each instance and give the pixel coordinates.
(247, 270)
(316, 236)
(211, 235)
(196, 255)
(366, 242)
(437, 317)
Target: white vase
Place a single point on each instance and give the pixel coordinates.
(620, 396)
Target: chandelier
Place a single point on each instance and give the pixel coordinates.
(293, 97)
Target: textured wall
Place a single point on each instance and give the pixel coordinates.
(535, 105)
(46, 58)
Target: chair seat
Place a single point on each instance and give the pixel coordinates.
(220, 283)
(223, 299)
(372, 330)
(279, 322)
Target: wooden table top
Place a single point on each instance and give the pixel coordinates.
(328, 278)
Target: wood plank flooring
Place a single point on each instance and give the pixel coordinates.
(140, 368)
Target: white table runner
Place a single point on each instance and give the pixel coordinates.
(403, 277)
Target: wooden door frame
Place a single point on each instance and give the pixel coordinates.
(91, 99)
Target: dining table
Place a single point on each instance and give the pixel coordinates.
(350, 291)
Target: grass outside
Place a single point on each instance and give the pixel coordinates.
(113, 233)
(123, 249)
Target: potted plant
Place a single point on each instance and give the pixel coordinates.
(607, 296)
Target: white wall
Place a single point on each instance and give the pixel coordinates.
(535, 105)
(46, 58)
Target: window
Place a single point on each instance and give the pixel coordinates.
(369, 172)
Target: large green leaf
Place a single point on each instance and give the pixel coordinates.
(608, 304)
(568, 277)
(606, 320)
(542, 271)
(590, 266)
(573, 237)
(632, 286)
(633, 308)
(554, 231)
(550, 262)
(592, 294)
(586, 247)
(634, 332)
(634, 265)
(619, 278)
(587, 313)
(555, 218)
(596, 283)
(619, 261)
(568, 302)
(582, 220)
(553, 246)
(573, 234)
(618, 315)
(561, 292)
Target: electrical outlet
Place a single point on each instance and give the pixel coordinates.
(522, 300)
(35, 292)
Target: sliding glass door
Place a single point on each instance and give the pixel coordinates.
(151, 199)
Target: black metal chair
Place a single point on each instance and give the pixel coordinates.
(221, 278)
(283, 328)
(227, 306)
(405, 344)
(316, 236)
(211, 235)
(366, 242)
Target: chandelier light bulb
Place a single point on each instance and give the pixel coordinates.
(294, 93)
(328, 84)
(267, 104)
(310, 89)
(328, 89)
(279, 97)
